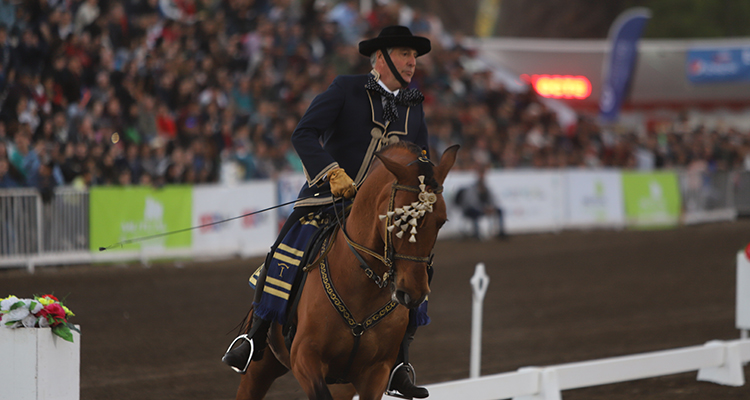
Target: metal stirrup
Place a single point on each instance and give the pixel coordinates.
(250, 356)
(412, 375)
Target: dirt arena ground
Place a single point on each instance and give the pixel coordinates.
(159, 332)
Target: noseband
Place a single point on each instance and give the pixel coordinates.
(405, 217)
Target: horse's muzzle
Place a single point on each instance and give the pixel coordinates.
(406, 300)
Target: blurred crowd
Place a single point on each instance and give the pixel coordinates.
(122, 92)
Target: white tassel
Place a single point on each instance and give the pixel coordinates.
(422, 187)
(421, 178)
(397, 222)
(412, 239)
(404, 226)
(413, 230)
(382, 217)
(413, 222)
(399, 211)
(390, 213)
(400, 234)
(390, 228)
(404, 217)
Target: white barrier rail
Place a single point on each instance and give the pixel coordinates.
(716, 361)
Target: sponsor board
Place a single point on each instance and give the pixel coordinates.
(532, 201)
(248, 235)
(118, 214)
(652, 199)
(594, 199)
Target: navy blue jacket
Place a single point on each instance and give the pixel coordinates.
(344, 127)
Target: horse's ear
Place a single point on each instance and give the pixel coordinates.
(400, 171)
(446, 163)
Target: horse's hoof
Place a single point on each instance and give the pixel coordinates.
(239, 357)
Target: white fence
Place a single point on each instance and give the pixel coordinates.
(32, 230)
(716, 361)
(719, 362)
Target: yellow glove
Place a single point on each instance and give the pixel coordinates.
(341, 184)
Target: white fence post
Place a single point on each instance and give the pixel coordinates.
(742, 316)
(479, 283)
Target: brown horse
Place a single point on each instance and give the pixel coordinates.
(398, 208)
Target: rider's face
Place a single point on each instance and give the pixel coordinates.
(405, 61)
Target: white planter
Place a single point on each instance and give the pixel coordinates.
(35, 364)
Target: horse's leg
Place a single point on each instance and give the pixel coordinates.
(371, 384)
(309, 373)
(343, 392)
(259, 376)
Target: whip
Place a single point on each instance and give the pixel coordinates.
(142, 238)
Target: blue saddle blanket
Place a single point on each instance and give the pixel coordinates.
(284, 267)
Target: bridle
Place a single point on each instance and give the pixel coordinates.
(389, 253)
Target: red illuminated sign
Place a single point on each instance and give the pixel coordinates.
(561, 86)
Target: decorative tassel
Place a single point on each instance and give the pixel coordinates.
(382, 217)
(400, 234)
(413, 230)
(390, 228)
(412, 239)
(390, 213)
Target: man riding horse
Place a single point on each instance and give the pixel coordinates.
(354, 118)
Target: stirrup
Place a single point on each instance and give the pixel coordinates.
(412, 376)
(249, 340)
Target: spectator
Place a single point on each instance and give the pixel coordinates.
(476, 201)
(6, 180)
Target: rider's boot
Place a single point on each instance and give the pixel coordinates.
(252, 346)
(403, 376)
(253, 343)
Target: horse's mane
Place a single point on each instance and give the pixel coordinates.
(425, 167)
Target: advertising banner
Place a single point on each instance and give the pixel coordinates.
(651, 199)
(456, 226)
(718, 65)
(532, 201)
(289, 186)
(248, 236)
(621, 60)
(594, 199)
(123, 213)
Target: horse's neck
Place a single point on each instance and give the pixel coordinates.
(359, 291)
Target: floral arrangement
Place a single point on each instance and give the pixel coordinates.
(39, 312)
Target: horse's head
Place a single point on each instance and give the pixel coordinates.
(411, 211)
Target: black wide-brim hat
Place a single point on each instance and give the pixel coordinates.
(395, 36)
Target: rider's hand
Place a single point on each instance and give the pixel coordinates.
(341, 184)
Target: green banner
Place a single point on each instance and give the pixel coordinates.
(652, 199)
(122, 213)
